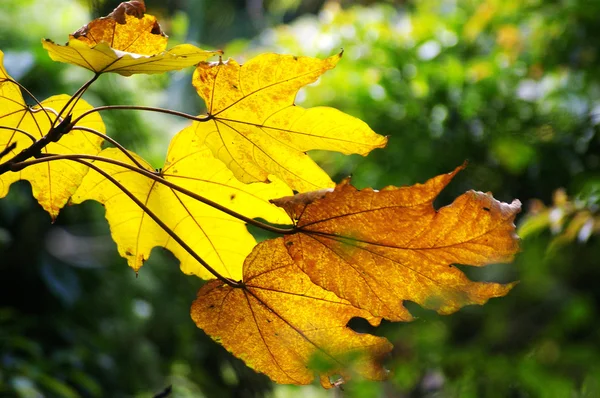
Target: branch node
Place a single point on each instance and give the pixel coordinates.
(7, 150)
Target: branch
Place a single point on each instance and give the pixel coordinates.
(112, 141)
(76, 97)
(23, 88)
(160, 180)
(35, 149)
(56, 130)
(8, 148)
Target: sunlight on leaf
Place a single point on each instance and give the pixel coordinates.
(127, 41)
(52, 183)
(256, 129)
(283, 325)
(218, 238)
(378, 248)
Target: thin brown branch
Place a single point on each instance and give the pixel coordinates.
(23, 88)
(112, 141)
(142, 108)
(160, 180)
(54, 134)
(7, 150)
(75, 97)
(35, 149)
(31, 137)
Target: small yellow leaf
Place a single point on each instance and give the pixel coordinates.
(127, 41)
(285, 326)
(52, 183)
(257, 130)
(221, 240)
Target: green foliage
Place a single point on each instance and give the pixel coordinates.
(511, 85)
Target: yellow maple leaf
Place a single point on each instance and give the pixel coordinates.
(254, 127)
(52, 183)
(378, 248)
(127, 41)
(221, 240)
(279, 322)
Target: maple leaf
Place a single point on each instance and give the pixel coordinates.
(53, 183)
(127, 41)
(220, 239)
(255, 128)
(279, 321)
(378, 248)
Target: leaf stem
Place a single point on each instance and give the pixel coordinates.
(142, 108)
(35, 149)
(160, 180)
(23, 88)
(112, 141)
(76, 97)
(31, 137)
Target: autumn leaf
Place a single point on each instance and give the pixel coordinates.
(52, 183)
(255, 128)
(280, 321)
(218, 238)
(378, 248)
(127, 41)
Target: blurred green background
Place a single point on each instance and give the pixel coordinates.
(512, 86)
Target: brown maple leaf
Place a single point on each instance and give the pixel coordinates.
(378, 248)
(280, 323)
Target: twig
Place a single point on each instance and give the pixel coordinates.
(76, 97)
(142, 108)
(35, 149)
(7, 150)
(23, 88)
(112, 141)
(31, 137)
(159, 179)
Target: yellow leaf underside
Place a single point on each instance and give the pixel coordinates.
(256, 129)
(102, 58)
(281, 323)
(52, 183)
(218, 238)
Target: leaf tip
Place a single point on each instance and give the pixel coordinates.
(345, 181)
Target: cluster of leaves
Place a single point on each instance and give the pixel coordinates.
(471, 80)
(285, 303)
(528, 124)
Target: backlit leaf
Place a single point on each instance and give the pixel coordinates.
(283, 325)
(218, 238)
(127, 41)
(54, 182)
(256, 129)
(378, 248)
